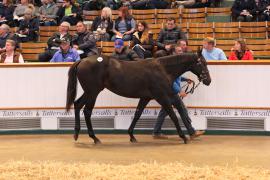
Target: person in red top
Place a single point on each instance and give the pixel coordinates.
(240, 51)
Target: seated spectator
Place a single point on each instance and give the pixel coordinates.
(54, 42)
(103, 25)
(243, 10)
(181, 47)
(10, 55)
(262, 10)
(93, 5)
(210, 52)
(65, 53)
(19, 11)
(69, 13)
(160, 4)
(201, 4)
(114, 4)
(47, 13)
(122, 52)
(142, 4)
(240, 51)
(184, 3)
(124, 25)
(4, 36)
(143, 41)
(84, 40)
(29, 27)
(168, 37)
(6, 12)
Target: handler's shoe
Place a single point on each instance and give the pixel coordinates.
(196, 134)
(160, 136)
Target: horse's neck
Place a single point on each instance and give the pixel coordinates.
(177, 70)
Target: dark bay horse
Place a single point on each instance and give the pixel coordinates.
(144, 79)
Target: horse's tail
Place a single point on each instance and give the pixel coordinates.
(72, 85)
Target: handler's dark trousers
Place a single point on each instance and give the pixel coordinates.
(179, 105)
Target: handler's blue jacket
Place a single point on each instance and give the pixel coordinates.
(177, 84)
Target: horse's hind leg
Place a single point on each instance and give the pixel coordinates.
(165, 103)
(87, 114)
(78, 104)
(141, 105)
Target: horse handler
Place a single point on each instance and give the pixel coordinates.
(180, 106)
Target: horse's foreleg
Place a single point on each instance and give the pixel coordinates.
(87, 114)
(141, 105)
(78, 104)
(165, 103)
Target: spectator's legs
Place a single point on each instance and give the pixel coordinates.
(126, 37)
(50, 23)
(249, 18)
(71, 20)
(105, 37)
(240, 18)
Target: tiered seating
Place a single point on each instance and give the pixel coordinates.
(30, 51)
(108, 47)
(229, 30)
(163, 14)
(253, 30)
(193, 15)
(200, 30)
(147, 16)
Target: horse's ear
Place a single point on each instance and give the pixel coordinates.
(199, 51)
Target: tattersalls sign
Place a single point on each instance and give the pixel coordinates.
(49, 118)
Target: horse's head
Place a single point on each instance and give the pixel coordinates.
(200, 68)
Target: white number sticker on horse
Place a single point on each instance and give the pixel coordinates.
(99, 59)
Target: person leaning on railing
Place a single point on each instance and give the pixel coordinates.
(210, 52)
(240, 51)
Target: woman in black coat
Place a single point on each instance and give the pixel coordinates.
(103, 25)
(69, 12)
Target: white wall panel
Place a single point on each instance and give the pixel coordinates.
(232, 85)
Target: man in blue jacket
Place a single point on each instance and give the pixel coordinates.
(179, 105)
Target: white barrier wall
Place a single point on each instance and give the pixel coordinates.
(235, 86)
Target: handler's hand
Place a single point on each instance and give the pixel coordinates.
(182, 94)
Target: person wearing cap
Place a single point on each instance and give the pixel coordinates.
(54, 42)
(122, 52)
(66, 53)
(29, 27)
(84, 40)
(210, 52)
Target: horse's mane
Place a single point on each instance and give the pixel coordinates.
(177, 59)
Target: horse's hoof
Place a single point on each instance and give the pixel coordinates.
(76, 136)
(133, 140)
(97, 141)
(184, 139)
